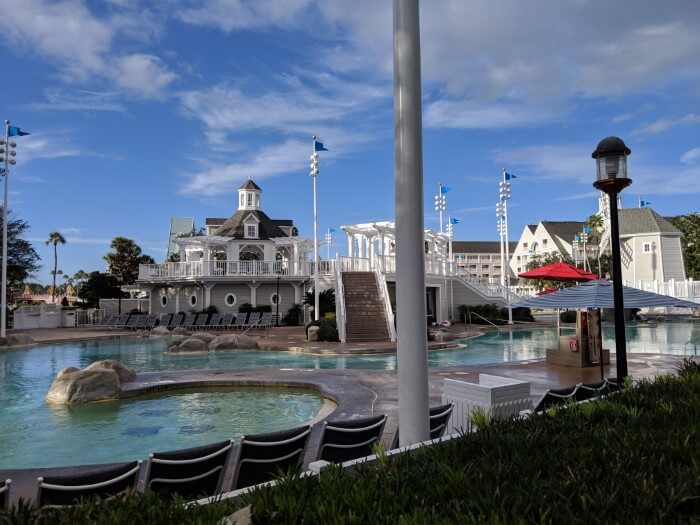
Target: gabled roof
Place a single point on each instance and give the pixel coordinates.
(267, 228)
(249, 185)
(210, 221)
(567, 230)
(644, 220)
(532, 227)
(480, 246)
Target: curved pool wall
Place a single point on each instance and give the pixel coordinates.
(49, 435)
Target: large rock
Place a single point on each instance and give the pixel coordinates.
(82, 386)
(443, 336)
(159, 331)
(204, 336)
(124, 373)
(312, 333)
(67, 370)
(232, 342)
(193, 345)
(179, 330)
(177, 339)
(17, 340)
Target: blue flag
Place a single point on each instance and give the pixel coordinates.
(454, 220)
(318, 146)
(14, 131)
(510, 176)
(444, 189)
(643, 203)
(331, 230)
(577, 238)
(586, 230)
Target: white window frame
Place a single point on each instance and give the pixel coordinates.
(280, 299)
(646, 247)
(246, 234)
(249, 199)
(235, 300)
(193, 300)
(164, 300)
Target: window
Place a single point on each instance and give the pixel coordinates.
(242, 199)
(251, 231)
(647, 247)
(544, 242)
(274, 298)
(524, 245)
(250, 199)
(164, 300)
(193, 300)
(230, 300)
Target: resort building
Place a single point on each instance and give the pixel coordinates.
(480, 258)
(245, 258)
(544, 238)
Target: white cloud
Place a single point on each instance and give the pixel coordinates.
(665, 123)
(467, 114)
(58, 99)
(38, 146)
(691, 156)
(231, 15)
(143, 75)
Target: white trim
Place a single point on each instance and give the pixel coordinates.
(163, 300)
(279, 300)
(196, 300)
(235, 300)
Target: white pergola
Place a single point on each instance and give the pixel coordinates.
(202, 247)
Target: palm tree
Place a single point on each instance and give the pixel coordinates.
(55, 238)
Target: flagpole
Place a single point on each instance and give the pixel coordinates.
(328, 243)
(316, 313)
(506, 270)
(440, 195)
(3, 303)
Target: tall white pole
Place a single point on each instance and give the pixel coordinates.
(316, 313)
(328, 244)
(3, 303)
(506, 268)
(412, 355)
(499, 210)
(440, 205)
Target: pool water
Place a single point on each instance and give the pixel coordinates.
(36, 434)
(45, 435)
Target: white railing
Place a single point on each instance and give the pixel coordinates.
(687, 289)
(339, 303)
(194, 269)
(354, 264)
(386, 303)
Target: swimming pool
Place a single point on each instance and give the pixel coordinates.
(25, 377)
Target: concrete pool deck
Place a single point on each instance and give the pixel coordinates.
(360, 392)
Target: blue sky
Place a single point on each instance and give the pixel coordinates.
(140, 111)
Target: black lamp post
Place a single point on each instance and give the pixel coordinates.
(120, 279)
(277, 301)
(611, 170)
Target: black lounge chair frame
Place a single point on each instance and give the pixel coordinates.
(439, 416)
(260, 456)
(5, 487)
(62, 491)
(192, 472)
(349, 439)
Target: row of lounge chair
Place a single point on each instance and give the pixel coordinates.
(190, 321)
(201, 471)
(575, 394)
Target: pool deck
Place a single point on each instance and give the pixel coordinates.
(360, 392)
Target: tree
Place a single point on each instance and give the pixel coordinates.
(22, 259)
(326, 301)
(98, 286)
(690, 226)
(55, 238)
(125, 259)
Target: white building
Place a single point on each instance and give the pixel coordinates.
(546, 237)
(480, 258)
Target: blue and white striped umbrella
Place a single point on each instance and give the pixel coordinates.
(599, 294)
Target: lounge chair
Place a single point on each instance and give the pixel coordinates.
(150, 321)
(239, 320)
(554, 397)
(189, 321)
(591, 390)
(176, 321)
(131, 323)
(265, 321)
(201, 322)
(5, 493)
(226, 321)
(214, 321)
(350, 439)
(121, 322)
(69, 489)
(104, 322)
(191, 473)
(262, 456)
(140, 322)
(164, 319)
(253, 318)
(439, 416)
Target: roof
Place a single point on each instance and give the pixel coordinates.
(210, 221)
(480, 246)
(644, 220)
(532, 227)
(249, 185)
(567, 230)
(267, 228)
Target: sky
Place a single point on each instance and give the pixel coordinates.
(141, 111)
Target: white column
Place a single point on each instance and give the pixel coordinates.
(253, 293)
(350, 243)
(207, 294)
(412, 353)
(177, 298)
(297, 293)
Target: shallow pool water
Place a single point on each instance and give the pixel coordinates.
(34, 434)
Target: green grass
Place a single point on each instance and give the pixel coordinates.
(632, 458)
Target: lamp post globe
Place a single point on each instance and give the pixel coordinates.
(611, 178)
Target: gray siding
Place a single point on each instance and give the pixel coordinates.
(265, 291)
(672, 258)
(219, 292)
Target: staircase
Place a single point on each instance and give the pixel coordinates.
(364, 310)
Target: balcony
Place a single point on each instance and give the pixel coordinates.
(233, 269)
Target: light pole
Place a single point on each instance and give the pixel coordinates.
(611, 178)
(412, 354)
(441, 201)
(316, 146)
(329, 241)
(504, 194)
(7, 154)
(120, 279)
(277, 300)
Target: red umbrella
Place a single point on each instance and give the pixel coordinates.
(559, 271)
(547, 290)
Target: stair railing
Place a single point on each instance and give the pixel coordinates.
(383, 290)
(339, 301)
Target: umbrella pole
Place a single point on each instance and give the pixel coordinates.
(600, 354)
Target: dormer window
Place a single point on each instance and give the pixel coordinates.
(242, 200)
(250, 199)
(251, 231)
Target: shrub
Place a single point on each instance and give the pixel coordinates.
(328, 329)
(293, 315)
(492, 312)
(568, 316)
(211, 309)
(135, 311)
(64, 301)
(245, 308)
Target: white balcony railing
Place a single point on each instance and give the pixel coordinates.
(195, 269)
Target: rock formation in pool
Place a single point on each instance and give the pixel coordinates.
(96, 382)
(203, 342)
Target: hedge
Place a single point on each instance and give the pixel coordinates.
(632, 458)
